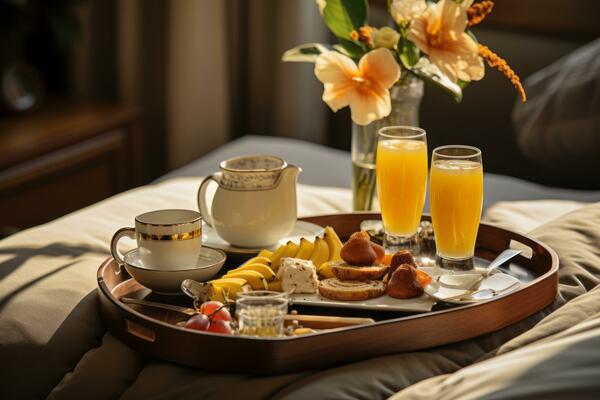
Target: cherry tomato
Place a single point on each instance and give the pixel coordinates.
(220, 326)
(210, 309)
(199, 322)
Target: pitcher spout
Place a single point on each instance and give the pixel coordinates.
(290, 174)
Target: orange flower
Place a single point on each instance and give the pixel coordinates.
(365, 88)
(477, 12)
(364, 34)
(440, 33)
(495, 61)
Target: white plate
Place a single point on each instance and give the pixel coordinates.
(500, 282)
(302, 229)
(382, 303)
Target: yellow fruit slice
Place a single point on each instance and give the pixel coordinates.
(334, 243)
(265, 253)
(305, 250)
(276, 286)
(320, 253)
(277, 256)
(255, 279)
(233, 285)
(325, 270)
(262, 269)
(259, 260)
(217, 293)
(289, 250)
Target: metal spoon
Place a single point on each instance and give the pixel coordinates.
(501, 259)
(450, 281)
(481, 294)
(196, 290)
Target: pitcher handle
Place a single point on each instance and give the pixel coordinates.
(204, 210)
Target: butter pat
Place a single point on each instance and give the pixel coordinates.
(298, 275)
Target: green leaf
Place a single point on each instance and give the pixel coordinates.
(353, 50)
(357, 10)
(429, 72)
(341, 49)
(344, 16)
(409, 53)
(307, 52)
(462, 84)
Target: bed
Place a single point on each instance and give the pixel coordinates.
(53, 343)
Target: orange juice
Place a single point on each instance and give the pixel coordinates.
(401, 184)
(456, 197)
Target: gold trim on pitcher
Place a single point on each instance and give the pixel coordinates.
(174, 236)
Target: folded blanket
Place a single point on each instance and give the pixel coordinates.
(525, 216)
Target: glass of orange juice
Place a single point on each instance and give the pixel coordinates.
(456, 199)
(401, 170)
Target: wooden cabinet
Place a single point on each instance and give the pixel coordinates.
(65, 157)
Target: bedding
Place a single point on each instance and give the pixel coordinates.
(53, 343)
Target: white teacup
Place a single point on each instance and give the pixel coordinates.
(166, 239)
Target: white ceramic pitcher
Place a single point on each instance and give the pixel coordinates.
(255, 203)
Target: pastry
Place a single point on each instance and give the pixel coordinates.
(358, 250)
(336, 289)
(380, 251)
(403, 283)
(399, 258)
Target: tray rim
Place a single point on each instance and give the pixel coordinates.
(102, 286)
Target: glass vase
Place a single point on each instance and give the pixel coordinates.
(406, 98)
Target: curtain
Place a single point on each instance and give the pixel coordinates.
(281, 99)
(203, 71)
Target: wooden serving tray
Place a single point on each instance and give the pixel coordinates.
(154, 331)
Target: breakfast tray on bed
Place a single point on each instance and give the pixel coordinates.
(155, 332)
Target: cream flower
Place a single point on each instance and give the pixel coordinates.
(365, 88)
(321, 4)
(440, 33)
(386, 37)
(406, 10)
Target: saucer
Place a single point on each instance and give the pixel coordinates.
(302, 229)
(209, 263)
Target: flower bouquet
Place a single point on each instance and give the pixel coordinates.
(430, 41)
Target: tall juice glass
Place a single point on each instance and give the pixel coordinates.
(401, 170)
(456, 198)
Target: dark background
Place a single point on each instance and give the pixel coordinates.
(529, 34)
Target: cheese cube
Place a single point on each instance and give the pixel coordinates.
(298, 275)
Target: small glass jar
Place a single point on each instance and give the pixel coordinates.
(261, 313)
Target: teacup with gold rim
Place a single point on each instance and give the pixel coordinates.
(166, 239)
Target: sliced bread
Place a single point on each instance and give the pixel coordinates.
(347, 272)
(336, 289)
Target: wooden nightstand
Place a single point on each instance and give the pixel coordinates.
(64, 157)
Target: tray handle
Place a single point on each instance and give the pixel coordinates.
(527, 250)
(140, 331)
